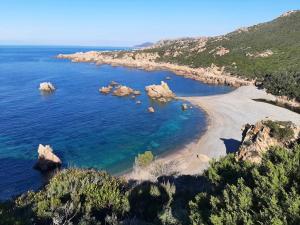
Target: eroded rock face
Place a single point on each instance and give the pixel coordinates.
(160, 92)
(47, 160)
(123, 91)
(47, 87)
(257, 139)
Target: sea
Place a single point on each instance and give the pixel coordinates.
(86, 129)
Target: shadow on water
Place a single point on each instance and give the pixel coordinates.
(231, 145)
(19, 176)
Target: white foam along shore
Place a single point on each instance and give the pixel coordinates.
(227, 114)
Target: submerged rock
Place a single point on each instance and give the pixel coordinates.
(114, 84)
(160, 92)
(135, 92)
(151, 110)
(138, 102)
(47, 160)
(123, 91)
(168, 78)
(47, 87)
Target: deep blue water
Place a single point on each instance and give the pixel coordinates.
(85, 128)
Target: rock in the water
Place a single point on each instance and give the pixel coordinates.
(138, 102)
(47, 87)
(151, 110)
(105, 90)
(47, 160)
(168, 78)
(184, 107)
(160, 92)
(135, 92)
(114, 84)
(258, 138)
(123, 91)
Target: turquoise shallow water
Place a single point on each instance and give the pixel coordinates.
(85, 129)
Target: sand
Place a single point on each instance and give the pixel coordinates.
(227, 114)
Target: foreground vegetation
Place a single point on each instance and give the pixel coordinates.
(229, 192)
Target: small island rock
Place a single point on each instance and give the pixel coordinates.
(151, 110)
(47, 160)
(160, 92)
(47, 87)
(123, 91)
(184, 106)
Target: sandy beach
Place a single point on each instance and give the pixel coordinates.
(227, 114)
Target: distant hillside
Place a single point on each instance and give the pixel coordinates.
(144, 45)
(269, 52)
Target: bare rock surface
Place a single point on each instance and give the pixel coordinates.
(47, 87)
(123, 91)
(160, 92)
(47, 160)
(105, 90)
(258, 138)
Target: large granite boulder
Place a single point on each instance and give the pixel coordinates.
(47, 87)
(160, 92)
(123, 91)
(257, 139)
(47, 160)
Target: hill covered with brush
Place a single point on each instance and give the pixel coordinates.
(268, 52)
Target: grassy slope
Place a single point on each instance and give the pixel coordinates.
(281, 36)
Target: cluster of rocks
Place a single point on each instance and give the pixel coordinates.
(46, 87)
(258, 138)
(47, 160)
(119, 90)
(161, 93)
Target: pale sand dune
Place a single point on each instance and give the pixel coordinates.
(227, 114)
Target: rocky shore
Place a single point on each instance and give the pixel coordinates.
(211, 75)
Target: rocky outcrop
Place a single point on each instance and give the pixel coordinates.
(258, 138)
(123, 91)
(160, 92)
(211, 75)
(105, 90)
(46, 87)
(184, 106)
(151, 110)
(47, 160)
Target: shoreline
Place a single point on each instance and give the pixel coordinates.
(210, 75)
(226, 113)
(226, 116)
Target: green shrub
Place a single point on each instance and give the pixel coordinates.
(144, 159)
(75, 195)
(268, 193)
(280, 130)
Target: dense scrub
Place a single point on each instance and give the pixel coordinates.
(229, 192)
(278, 71)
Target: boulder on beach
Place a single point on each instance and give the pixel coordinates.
(105, 90)
(160, 92)
(46, 87)
(123, 91)
(151, 110)
(47, 160)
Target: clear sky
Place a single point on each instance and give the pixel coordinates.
(128, 22)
